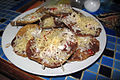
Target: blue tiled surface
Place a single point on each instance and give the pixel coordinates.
(1, 51)
(110, 45)
(117, 55)
(0, 41)
(117, 64)
(4, 57)
(98, 60)
(69, 78)
(110, 32)
(118, 47)
(58, 78)
(46, 78)
(116, 75)
(111, 38)
(88, 76)
(94, 68)
(118, 40)
(102, 78)
(110, 60)
(107, 61)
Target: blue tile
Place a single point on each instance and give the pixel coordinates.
(118, 40)
(117, 64)
(13, 17)
(69, 78)
(88, 75)
(46, 78)
(116, 75)
(110, 38)
(2, 10)
(94, 68)
(98, 60)
(58, 78)
(102, 78)
(19, 4)
(110, 31)
(110, 45)
(107, 61)
(1, 51)
(8, 16)
(6, 11)
(117, 55)
(2, 15)
(2, 26)
(118, 47)
(4, 57)
(12, 13)
(14, 8)
(0, 41)
(7, 22)
(17, 14)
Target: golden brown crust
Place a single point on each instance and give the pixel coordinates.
(22, 23)
(28, 19)
(25, 28)
(79, 56)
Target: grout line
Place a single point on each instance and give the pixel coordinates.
(73, 77)
(82, 75)
(91, 71)
(99, 67)
(114, 58)
(117, 69)
(66, 78)
(110, 42)
(113, 35)
(108, 56)
(107, 66)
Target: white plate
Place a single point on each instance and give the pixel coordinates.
(36, 68)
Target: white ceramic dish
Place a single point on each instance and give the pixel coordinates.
(36, 68)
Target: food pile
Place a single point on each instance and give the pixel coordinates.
(56, 34)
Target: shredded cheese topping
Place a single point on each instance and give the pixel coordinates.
(60, 8)
(21, 41)
(83, 43)
(49, 22)
(32, 17)
(85, 24)
(51, 44)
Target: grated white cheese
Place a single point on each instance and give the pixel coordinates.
(21, 41)
(61, 8)
(51, 44)
(83, 43)
(86, 25)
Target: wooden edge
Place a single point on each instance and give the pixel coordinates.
(26, 6)
(15, 73)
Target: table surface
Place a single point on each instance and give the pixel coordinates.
(107, 67)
